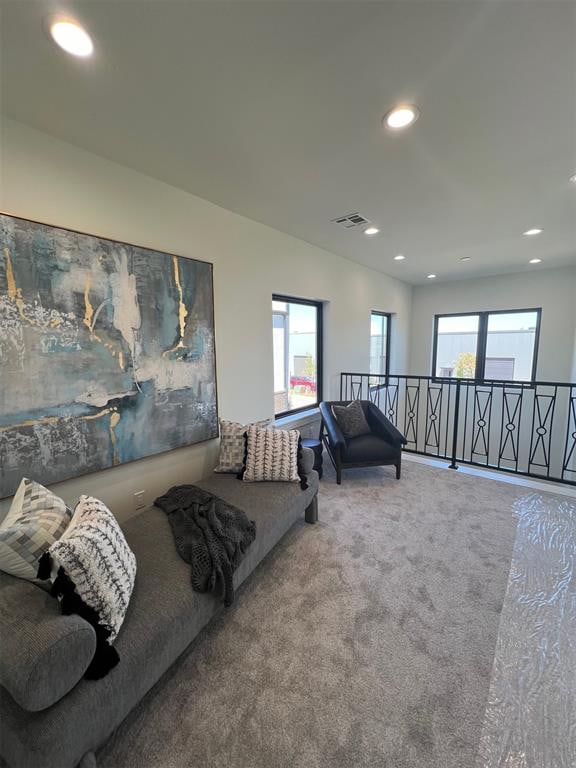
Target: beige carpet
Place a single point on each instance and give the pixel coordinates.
(366, 640)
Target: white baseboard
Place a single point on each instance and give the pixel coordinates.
(503, 477)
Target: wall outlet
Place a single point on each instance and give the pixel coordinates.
(139, 500)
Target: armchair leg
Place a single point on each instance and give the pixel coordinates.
(338, 475)
(398, 469)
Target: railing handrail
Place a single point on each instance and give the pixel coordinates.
(454, 379)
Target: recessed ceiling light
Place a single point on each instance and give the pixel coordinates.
(465, 258)
(400, 257)
(431, 277)
(531, 232)
(535, 261)
(401, 117)
(71, 37)
(573, 178)
(371, 231)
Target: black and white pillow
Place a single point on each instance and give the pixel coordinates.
(271, 455)
(36, 519)
(231, 457)
(351, 419)
(93, 571)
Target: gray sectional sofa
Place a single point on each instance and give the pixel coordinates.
(50, 717)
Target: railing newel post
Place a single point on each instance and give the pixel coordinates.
(453, 464)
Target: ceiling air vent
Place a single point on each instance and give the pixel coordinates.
(351, 221)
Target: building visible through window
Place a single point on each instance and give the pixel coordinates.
(297, 343)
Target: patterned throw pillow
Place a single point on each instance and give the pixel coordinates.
(232, 444)
(271, 454)
(351, 419)
(93, 570)
(36, 519)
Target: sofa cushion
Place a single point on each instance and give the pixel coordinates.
(233, 445)
(271, 454)
(351, 419)
(369, 448)
(43, 654)
(36, 519)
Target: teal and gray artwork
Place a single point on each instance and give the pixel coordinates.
(106, 353)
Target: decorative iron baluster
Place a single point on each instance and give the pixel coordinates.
(356, 389)
(433, 402)
(391, 402)
(510, 425)
(543, 431)
(570, 434)
(412, 401)
(374, 391)
(483, 412)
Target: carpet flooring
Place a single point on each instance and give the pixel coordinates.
(365, 640)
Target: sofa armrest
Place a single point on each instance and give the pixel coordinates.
(306, 463)
(335, 436)
(383, 427)
(43, 654)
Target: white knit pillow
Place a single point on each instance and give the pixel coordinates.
(36, 519)
(232, 444)
(271, 454)
(93, 570)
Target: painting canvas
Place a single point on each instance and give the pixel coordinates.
(106, 353)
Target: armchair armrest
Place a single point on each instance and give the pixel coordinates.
(335, 436)
(383, 426)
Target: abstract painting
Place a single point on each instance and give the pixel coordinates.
(106, 353)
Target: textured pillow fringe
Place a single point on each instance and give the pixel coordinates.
(105, 656)
(240, 474)
(44, 567)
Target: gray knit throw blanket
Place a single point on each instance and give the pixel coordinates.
(210, 534)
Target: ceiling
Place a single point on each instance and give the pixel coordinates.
(273, 110)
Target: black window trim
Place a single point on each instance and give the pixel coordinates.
(483, 340)
(388, 316)
(319, 351)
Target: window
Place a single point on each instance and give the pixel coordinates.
(297, 342)
(380, 343)
(500, 345)
(512, 340)
(457, 346)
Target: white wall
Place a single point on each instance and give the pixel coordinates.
(44, 179)
(552, 289)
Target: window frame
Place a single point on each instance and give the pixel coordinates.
(319, 350)
(482, 341)
(388, 316)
